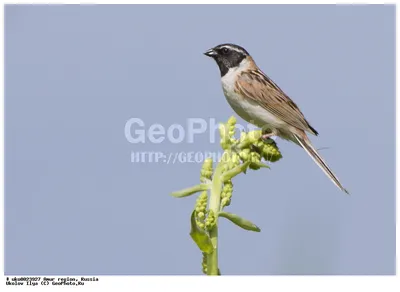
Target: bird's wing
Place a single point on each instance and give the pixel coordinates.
(256, 86)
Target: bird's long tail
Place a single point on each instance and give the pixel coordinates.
(306, 144)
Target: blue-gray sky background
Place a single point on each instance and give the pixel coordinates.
(74, 202)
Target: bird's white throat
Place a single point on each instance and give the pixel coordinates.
(229, 79)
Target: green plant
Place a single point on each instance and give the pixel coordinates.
(216, 188)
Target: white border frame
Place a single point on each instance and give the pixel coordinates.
(197, 283)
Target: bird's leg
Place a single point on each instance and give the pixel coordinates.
(268, 133)
(267, 136)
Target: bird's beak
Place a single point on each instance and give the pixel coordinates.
(210, 53)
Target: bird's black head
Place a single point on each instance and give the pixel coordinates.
(227, 56)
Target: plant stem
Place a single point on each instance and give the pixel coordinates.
(215, 201)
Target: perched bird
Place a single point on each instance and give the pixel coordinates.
(259, 101)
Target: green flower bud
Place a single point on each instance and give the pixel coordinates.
(223, 195)
(201, 205)
(225, 202)
(210, 220)
(222, 130)
(204, 263)
(255, 157)
(235, 159)
(225, 137)
(254, 136)
(232, 121)
(203, 197)
(259, 144)
(206, 169)
(244, 141)
(228, 187)
(244, 154)
(226, 193)
(270, 152)
(200, 224)
(231, 132)
(243, 136)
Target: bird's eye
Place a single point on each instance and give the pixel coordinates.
(225, 51)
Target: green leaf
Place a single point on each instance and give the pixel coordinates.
(257, 165)
(260, 164)
(239, 221)
(200, 237)
(190, 191)
(235, 171)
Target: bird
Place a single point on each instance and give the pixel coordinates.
(260, 101)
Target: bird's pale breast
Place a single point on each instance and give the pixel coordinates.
(247, 109)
